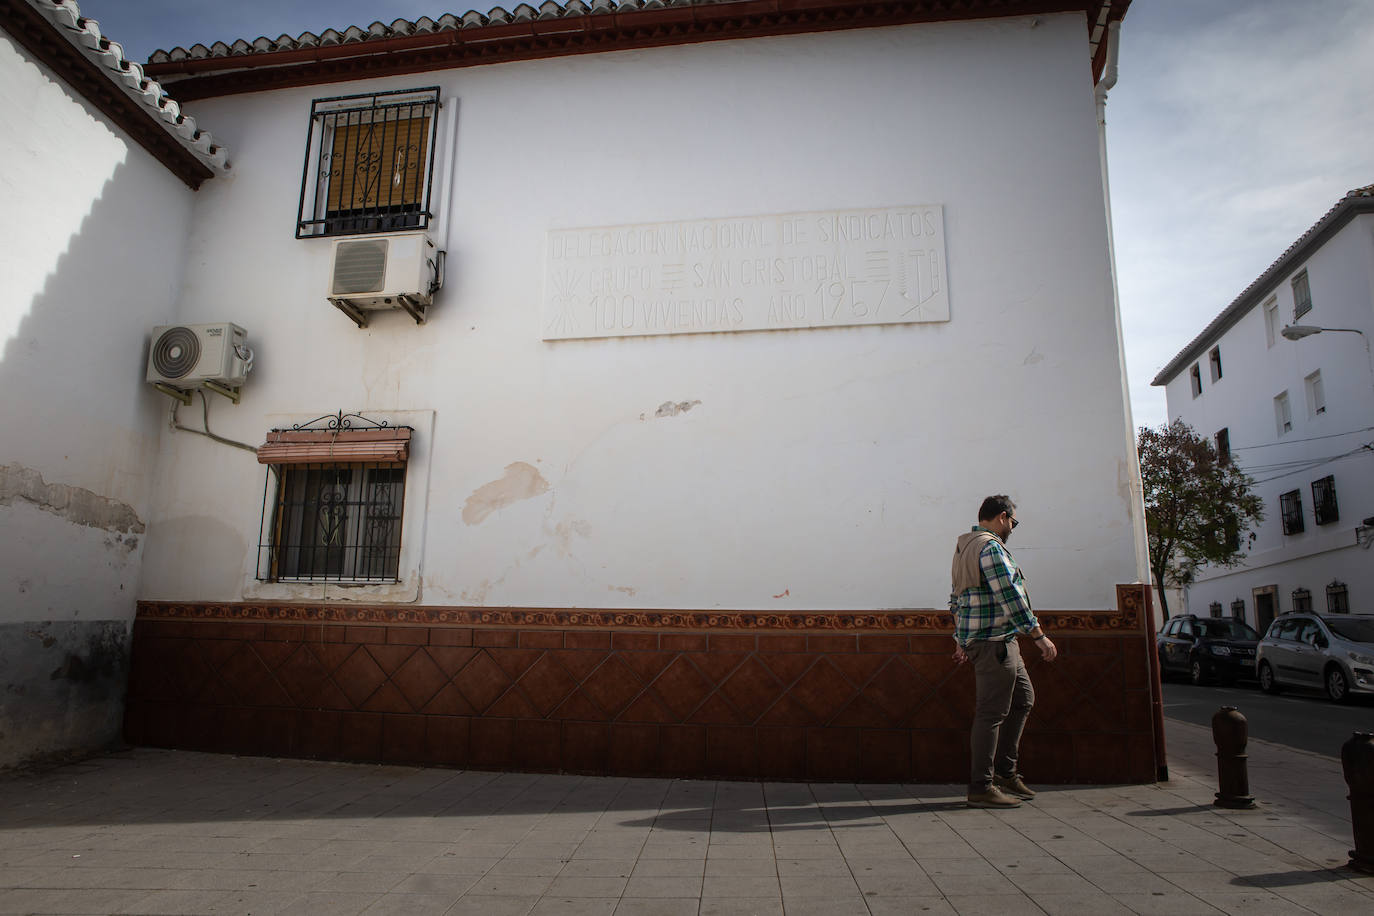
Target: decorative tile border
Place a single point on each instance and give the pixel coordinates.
(1128, 619)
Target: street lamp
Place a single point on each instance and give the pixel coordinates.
(1299, 331)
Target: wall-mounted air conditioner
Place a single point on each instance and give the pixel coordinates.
(189, 356)
(400, 270)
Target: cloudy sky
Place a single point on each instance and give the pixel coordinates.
(1235, 125)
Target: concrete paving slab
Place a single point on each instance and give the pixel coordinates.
(151, 830)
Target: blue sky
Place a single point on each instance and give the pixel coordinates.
(1235, 125)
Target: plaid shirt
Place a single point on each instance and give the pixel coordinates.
(997, 609)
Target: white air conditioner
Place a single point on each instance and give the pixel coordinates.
(400, 270)
(191, 356)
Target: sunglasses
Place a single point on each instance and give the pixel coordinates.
(1014, 522)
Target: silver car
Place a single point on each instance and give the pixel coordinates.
(1332, 651)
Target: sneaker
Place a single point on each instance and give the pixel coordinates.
(992, 797)
(1014, 785)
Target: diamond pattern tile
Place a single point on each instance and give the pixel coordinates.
(419, 679)
(547, 684)
(481, 681)
(359, 677)
(798, 707)
(681, 687)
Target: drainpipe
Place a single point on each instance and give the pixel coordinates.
(1137, 497)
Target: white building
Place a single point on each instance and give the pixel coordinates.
(737, 310)
(1295, 409)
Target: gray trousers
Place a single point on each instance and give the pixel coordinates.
(1004, 700)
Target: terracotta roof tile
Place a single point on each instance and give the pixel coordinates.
(84, 34)
(521, 13)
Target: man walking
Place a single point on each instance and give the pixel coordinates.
(990, 606)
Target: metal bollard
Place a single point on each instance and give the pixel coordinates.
(1230, 732)
(1357, 760)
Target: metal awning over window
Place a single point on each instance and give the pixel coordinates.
(310, 446)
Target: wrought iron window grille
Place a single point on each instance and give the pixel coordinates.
(1302, 600)
(1290, 509)
(1337, 598)
(1214, 608)
(1238, 609)
(333, 521)
(369, 163)
(1302, 295)
(1324, 506)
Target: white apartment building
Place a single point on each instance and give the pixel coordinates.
(1283, 382)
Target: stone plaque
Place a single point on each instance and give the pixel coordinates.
(748, 273)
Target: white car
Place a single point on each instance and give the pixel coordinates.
(1334, 652)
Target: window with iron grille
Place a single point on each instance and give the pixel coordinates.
(1238, 609)
(1302, 296)
(1290, 510)
(1214, 363)
(1337, 598)
(1324, 501)
(1195, 379)
(1302, 601)
(333, 522)
(1224, 445)
(1214, 608)
(369, 163)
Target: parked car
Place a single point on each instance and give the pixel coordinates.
(1204, 648)
(1332, 651)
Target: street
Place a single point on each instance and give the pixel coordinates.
(1297, 718)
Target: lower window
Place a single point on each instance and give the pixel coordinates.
(335, 522)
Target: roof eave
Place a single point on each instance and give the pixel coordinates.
(54, 32)
(582, 33)
(1344, 211)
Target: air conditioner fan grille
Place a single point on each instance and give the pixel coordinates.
(360, 267)
(176, 352)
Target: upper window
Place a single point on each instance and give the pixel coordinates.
(1316, 394)
(369, 164)
(1224, 445)
(332, 505)
(1290, 510)
(1214, 363)
(1272, 328)
(1283, 414)
(1324, 500)
(1302, 296)
(1195, 375)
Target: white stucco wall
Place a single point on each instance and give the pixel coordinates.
(93, 256)
(1341, 278)
(821, 468)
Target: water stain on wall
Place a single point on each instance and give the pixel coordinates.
(673, 408)
(75, 504)
(521, 481)
(63, 685)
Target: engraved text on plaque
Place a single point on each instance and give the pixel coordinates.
(748, 273)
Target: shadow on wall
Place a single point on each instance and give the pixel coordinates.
(80, 448)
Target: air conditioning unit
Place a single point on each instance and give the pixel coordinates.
(190, 356)
(400, 270)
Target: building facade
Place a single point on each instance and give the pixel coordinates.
(620, 378)
(1294, 407)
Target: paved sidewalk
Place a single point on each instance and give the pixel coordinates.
(152, 831)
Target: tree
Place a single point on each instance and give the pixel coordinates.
(1198, 505)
